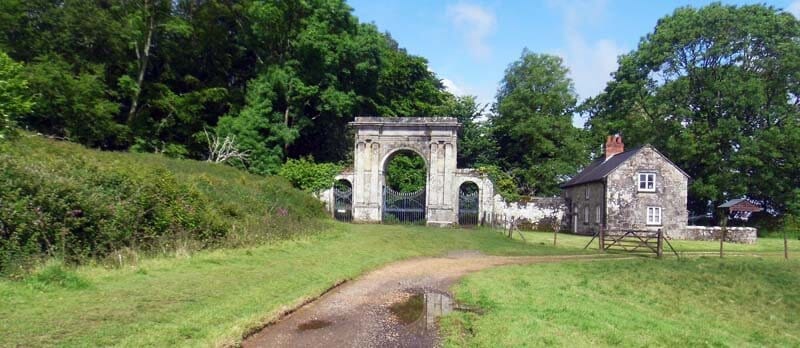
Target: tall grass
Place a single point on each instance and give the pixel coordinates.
(61, 200)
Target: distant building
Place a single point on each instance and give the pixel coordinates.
(636, 189)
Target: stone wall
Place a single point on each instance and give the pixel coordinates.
(746, 235)
(531, 213)
(587, 210)
(626, 206)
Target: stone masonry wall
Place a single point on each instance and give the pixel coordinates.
(583, 209)
(532, 213)
(627, 206)
(746, 235)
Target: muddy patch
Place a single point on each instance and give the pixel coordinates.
(313, 325)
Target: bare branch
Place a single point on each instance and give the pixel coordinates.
(225, 149)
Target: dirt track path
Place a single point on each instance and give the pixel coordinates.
(358, 313)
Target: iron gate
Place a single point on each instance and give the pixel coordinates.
(343, 203)
(403, 207)
(468, 208)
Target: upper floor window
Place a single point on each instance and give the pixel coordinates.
(647, 182)
(586, 192)
(654, 215)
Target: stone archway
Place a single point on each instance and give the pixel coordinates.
(435, 139)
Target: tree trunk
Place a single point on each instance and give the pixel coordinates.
(142, 59)
(785, 246)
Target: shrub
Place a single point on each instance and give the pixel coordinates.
(13, 90)
(61, 200)
(309, 176)
(504, 184)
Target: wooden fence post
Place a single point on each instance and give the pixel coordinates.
(660, 247)
(602, 238)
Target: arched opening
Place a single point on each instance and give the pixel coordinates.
(468, 204)
(405, 179)
(343, 200)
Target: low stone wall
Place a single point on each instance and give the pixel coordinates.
(745, 235)
(531, 213)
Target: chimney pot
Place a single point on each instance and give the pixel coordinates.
(614, 145)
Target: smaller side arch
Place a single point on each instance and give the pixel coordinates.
(469, 203)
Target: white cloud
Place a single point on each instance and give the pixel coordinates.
(794, 8)
(452, 87)
(476, 24)
(590, 61)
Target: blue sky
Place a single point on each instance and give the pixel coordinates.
(469, 43)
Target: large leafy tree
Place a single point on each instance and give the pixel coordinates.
(717, 89)
(152, 75)
(532, 124)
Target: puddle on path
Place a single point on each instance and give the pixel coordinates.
(423, 308)
(313, 325)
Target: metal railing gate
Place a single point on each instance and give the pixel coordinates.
(343, 203)
(468, 208)
(403, 207)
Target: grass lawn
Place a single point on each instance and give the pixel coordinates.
(571, 241)
(689, 302)
(213, 297)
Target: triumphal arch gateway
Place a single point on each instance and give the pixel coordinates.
(435, 139)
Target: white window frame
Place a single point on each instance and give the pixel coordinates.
(598, 215)
(646, 179)
(653, 216)
(586, 192)
(586, 215)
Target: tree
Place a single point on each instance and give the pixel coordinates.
(717, 89)
(14, 100)
(476, 147)
(532, 124)
(406, 172)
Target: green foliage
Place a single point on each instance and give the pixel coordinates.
(504, 183)
(72, 106)
(62, 200)
(406, 172)
(309, 176)
(475, 143)
(716, 89)
(285, 77)
(14, 102)
(533, 128)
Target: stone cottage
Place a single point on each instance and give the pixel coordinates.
(636, 189)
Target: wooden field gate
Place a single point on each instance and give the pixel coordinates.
(633, 241)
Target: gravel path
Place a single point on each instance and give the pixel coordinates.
(358, 313)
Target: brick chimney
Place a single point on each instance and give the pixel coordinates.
(614, 145)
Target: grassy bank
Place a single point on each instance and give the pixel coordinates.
(695, 302)
(61, 200)
(213, 297)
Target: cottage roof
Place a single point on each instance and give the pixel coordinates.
(731, 203)
(601, 167)
(741, 204)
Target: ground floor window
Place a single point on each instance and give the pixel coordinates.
(597, 214)
(654, 215)
(586, 215)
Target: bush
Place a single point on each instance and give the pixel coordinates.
(504, 184)
(60, 199)
(13, 100)
(308, 176)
